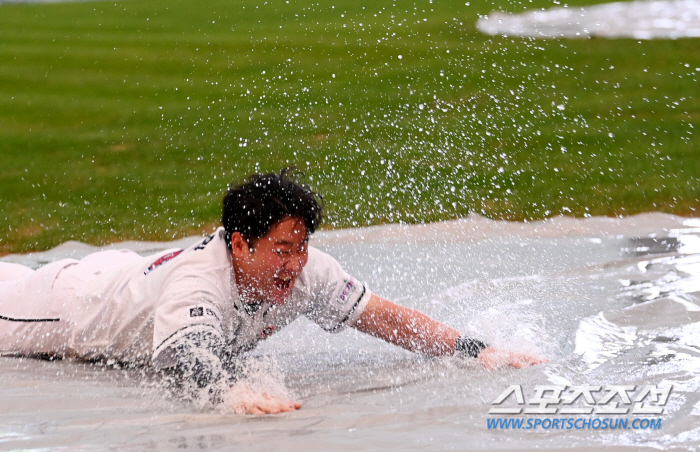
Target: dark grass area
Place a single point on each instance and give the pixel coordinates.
(126, 120)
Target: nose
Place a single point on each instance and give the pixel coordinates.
(296, 263)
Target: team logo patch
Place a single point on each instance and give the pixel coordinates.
(349, 288)
(201, 311)
(162, 260)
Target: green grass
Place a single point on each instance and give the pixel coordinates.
(126, 120)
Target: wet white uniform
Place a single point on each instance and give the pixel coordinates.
(119, 305)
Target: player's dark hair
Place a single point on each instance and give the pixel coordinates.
(253, 207)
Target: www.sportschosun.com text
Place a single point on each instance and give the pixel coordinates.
(573, 424)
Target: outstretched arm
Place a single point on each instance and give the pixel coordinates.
(415, 331)
(406, 328)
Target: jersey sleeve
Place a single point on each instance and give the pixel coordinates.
(185, 303)
(196, 362)
(334, 299)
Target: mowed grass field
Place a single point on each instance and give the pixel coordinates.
(126, 120)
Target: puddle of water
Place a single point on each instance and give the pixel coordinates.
(608, 301)
(672, 19)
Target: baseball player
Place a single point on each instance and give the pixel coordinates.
(193, 312)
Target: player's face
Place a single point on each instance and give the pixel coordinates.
(268, 269)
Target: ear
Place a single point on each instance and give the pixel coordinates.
(239, 246)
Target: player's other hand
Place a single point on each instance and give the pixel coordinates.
(493, 358)
(245, 400)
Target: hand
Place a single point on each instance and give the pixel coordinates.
(493, 358)
(245, 400)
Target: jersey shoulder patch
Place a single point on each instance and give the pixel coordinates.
(350, 286)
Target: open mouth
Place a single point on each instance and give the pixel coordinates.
(283, 282)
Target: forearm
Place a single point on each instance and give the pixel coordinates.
(417, 332)
(407, 328)
(196, 362)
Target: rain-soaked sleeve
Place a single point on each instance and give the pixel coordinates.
(197, 361)
(335, 299)
(188, 338)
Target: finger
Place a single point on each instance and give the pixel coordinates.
(290, 405)
(516, 361)
(532, 359)
(275, 405)
(255, 410)
(525, 361)
(488, 364)
(268, 408)
(285, 404)
(286, 408)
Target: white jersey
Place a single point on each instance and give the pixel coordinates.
(117, 304)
